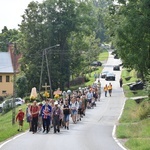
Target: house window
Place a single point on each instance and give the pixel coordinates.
(3, 92)
(7, 79)
(0, 78)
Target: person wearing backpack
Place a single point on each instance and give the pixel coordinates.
(34, 109)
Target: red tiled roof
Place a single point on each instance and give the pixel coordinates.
(18, 56)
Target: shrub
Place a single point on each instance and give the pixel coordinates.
(144, 110)
(1, 98)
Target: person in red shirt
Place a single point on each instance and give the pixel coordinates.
(34, 109)
(20, 118)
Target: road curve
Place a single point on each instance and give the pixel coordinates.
(94, 132)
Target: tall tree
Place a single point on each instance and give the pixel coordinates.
(8, 36)
(48, 24)
(130, 27)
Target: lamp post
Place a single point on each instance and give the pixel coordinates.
(49, 77)
(69, 93)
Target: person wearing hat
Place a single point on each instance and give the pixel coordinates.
(46, 116)
(56, 117)
(20, 118)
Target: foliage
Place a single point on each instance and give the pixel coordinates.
(130, 36)
(66, 23)
(21, 84)
(6, 37)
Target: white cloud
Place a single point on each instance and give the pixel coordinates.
(11, 12)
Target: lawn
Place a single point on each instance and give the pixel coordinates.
(6, 128)
(134, 126)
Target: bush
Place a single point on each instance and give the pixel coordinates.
(1, 98)
(144, 110)
(6, 108)
(77, 81)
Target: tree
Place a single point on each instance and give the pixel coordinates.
(131, 33)
(21, 86)
(48, 24)
(6, 37)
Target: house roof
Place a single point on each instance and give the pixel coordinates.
(5, 63)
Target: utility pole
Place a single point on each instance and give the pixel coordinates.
(49, 77)
(41, 71)
(14, 86)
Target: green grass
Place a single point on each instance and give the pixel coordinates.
(133, 128)
(128, 73)
(129, 113)
(134, 124)
(8, 130)
(138, 144)
(103, 56)
(129, 93)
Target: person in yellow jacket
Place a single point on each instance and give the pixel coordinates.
(110, 89)
(105, 90)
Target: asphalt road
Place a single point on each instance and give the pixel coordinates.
(94, 132)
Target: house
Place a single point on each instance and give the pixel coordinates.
(7, 71)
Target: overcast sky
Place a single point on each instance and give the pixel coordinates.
(11, 12)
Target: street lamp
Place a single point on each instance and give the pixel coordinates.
(49, 77)
(69, 93)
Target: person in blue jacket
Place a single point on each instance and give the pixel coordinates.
(46, 116)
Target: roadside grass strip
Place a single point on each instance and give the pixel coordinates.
(134, 127)
(138, 144)
(8, 130)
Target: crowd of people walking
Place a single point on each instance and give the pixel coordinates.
(56, 114)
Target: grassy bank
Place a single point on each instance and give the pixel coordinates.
(8, 130)
(130, 76)
(134, 124)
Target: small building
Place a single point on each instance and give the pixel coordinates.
(7, 71)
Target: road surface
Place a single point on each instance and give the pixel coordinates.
(94, 132)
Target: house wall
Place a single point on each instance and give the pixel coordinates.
(6, 86)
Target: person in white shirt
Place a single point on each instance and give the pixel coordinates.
(89, 97)
(74, 109)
